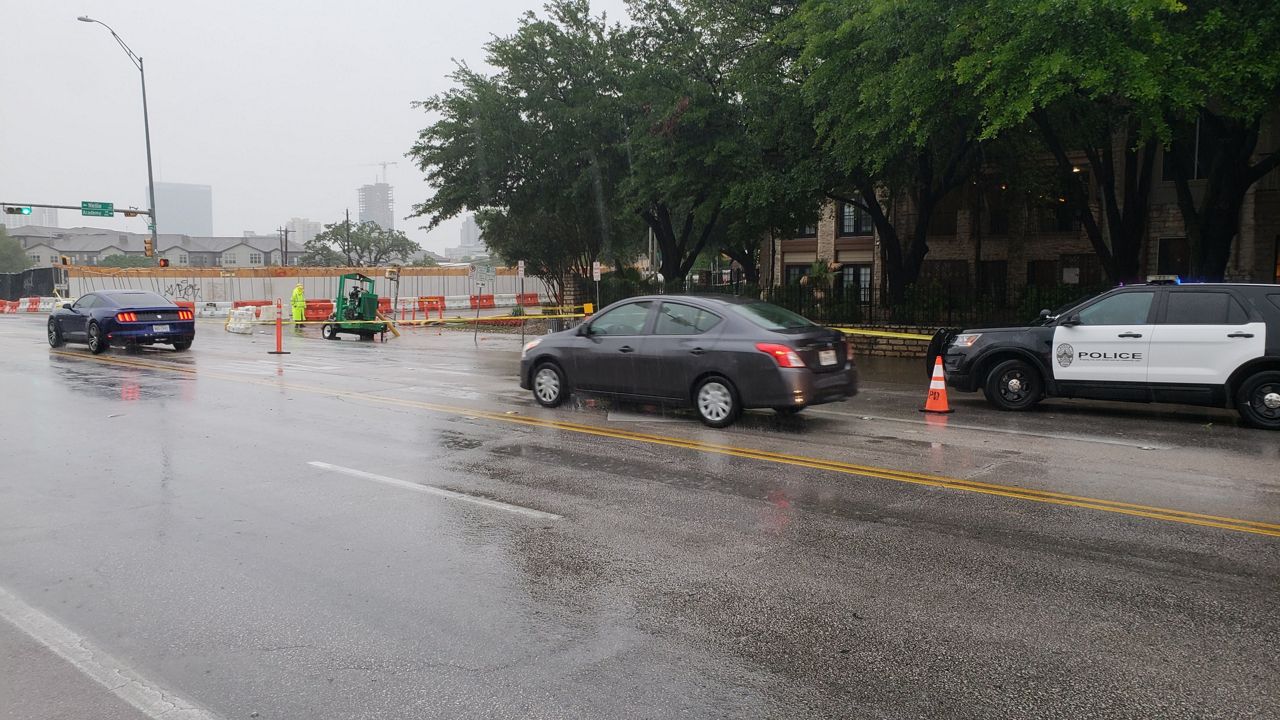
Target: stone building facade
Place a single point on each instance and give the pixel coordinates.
(999, 241)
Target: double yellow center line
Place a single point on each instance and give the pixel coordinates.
(835, 466)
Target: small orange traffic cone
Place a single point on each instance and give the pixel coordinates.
(936, 400)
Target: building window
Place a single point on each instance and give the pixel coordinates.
(1083, 270)
(942, 221)
(1174, 256)
(229, 259)
(993, 283)
(34, 258)
(183, 260)
(1042, 273)
(808, 231)
(255, 258)
(997, 210)
(1194, 152)
(1058, 217)
(855, 281)
(794, 273)
(852, 220)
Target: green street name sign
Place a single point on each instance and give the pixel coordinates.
(99, 209)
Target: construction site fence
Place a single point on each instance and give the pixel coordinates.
(203, 285)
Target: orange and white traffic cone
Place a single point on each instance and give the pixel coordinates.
(936, 400)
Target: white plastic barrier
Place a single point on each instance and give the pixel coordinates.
(267, 313)
(47, 304)
(457, 302)
(213, 309)
(504, 301)
(241, 321)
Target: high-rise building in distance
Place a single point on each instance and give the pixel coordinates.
(184, 209)
(304, 230)
(472, 242)
(377, 205)
(39, 217)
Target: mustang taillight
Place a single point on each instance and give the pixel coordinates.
(127, 317)
(785, 356)
(186, 315)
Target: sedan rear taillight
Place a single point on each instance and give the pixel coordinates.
(126, 317)
(186, 315)
(785, 356)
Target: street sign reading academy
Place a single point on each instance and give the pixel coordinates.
(97, 209)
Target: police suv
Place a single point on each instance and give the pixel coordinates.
(1198, 344)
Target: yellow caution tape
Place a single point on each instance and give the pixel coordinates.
(884, 334)
(425, 321)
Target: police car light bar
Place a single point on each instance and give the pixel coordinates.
(1164, 280)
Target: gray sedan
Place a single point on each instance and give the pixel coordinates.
(718, 354)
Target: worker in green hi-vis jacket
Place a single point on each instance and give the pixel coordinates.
(299, 306)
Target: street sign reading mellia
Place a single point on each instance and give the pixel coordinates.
(99, 209)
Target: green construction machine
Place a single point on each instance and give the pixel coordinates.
(355, 312)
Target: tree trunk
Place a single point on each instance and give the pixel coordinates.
(678, 254)
(747, 258)
(1213, 224)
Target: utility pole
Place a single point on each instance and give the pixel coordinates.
(284, 245)
(348, 230)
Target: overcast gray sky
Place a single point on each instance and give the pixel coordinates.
(283, 106)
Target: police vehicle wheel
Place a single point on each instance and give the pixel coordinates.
(549, 386)
(1259, 400)
(1013, 385)
(330, 332)
(55, 334)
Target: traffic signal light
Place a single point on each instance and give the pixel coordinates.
(148, 248)
(17, 210)
(164, 262)
(131, 213)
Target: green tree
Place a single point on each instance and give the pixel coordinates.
(127, 261)
(538, 149)
(1088, 76)
(12, 257)
(362, 244)
(686, 146)
(890, 118)
(1226, 80)
(778, 191)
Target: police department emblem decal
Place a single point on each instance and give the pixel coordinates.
(1066, 354)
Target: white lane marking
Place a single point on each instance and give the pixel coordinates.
(432, 490)
(126, 684)
(982, 428)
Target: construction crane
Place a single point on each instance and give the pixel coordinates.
(383, 165)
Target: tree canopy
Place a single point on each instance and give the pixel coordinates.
(362, 244)
(710, 125)
(12, 257)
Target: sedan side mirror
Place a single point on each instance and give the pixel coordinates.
(584, 329)
(66, 306)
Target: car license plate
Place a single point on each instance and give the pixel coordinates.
(826, 357)
(165, 328)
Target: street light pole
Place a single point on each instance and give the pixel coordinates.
(146, 125)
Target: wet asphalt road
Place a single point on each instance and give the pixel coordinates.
(245, 531)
